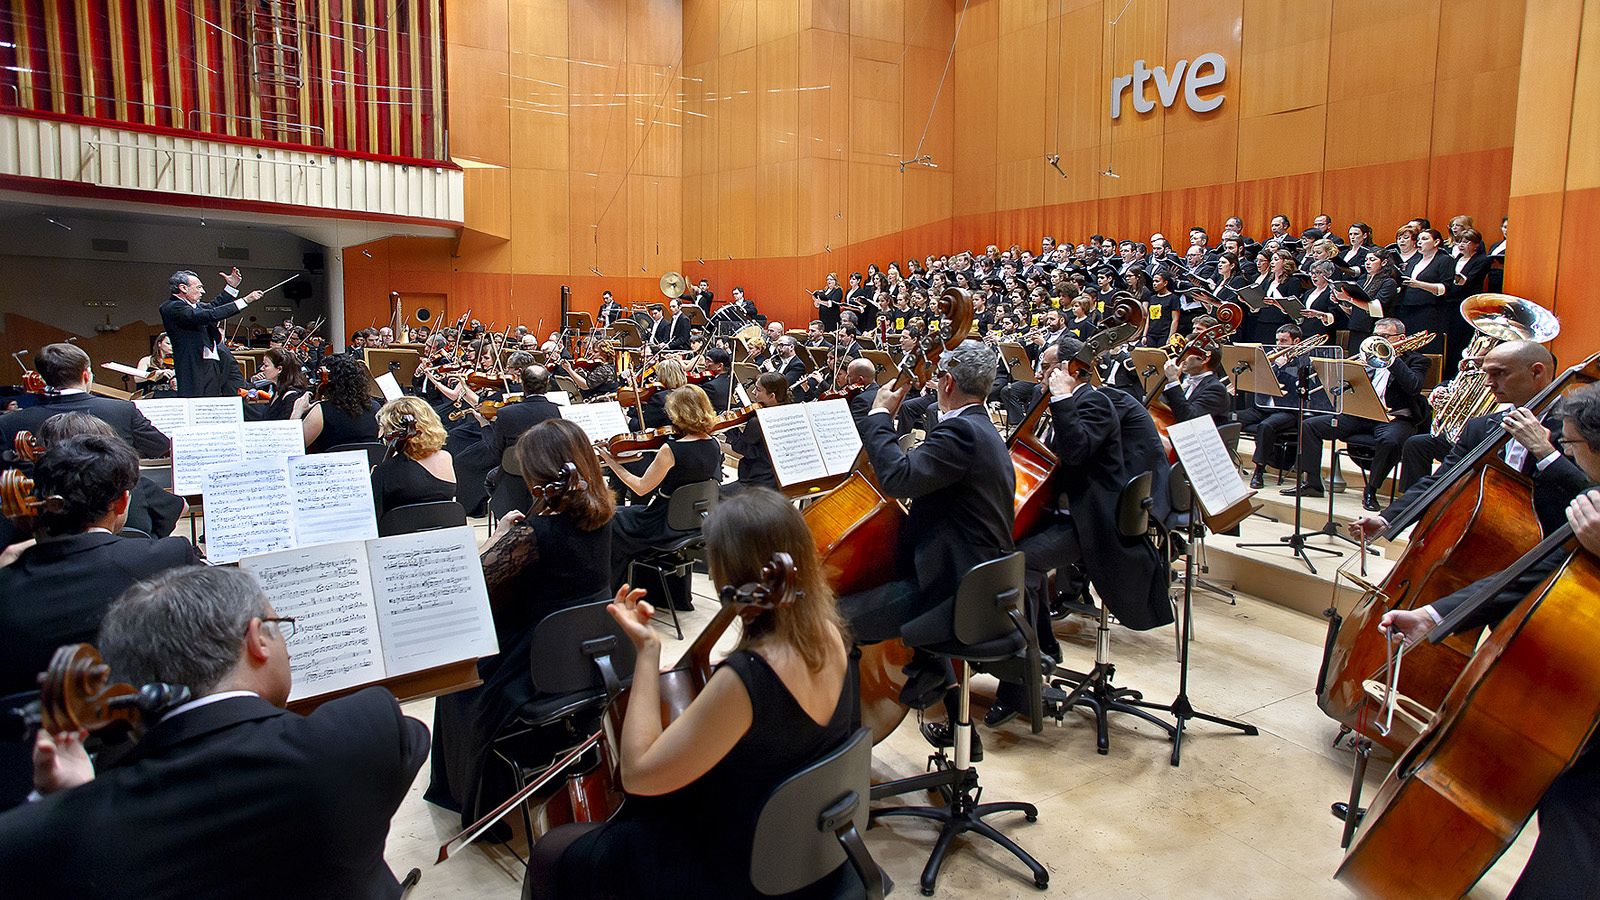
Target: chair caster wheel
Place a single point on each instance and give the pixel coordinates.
(927, 892)
(1041, 885)
(1031, 818)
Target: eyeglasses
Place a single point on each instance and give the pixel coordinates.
(1565, 442)
(285, 625)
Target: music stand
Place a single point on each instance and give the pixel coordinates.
(881, 364)
(1296, 540)
(1360, 400)
(628, 333)
(696, 315)
(1017, 362)
(1150, 367)
(746, 373)
(581, 322)
(816, 357)
(1250, 369)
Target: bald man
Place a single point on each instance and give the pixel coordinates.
(862, 373)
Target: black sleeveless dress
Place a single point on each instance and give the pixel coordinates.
(637, 528)
(340, 428)
(696, 841)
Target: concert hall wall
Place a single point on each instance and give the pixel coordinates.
(780, 162)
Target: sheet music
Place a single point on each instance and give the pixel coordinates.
(836, 434)
(197, 450)
(273, 441)
(433, 606)
(390, 387)
(215, 410)
(247, 511)
(1210, 467)
(168, 413)
(792, 444)
(327, 589)
(332, 497)
(599, 421)
(559, 398)
(121, 369)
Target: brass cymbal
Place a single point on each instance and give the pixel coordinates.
(674, 285)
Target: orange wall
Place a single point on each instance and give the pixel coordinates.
(776, 161)
(1555, 172)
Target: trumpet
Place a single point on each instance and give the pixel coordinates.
(1380, 352)
(1294, 351)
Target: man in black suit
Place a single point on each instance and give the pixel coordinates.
(1516, 372)
(1399, 387)
(610, 310)
(58, 590)
(66, 369)
(861, 373)
(681, 328)
(703, 297)
(509, 491)
(788, 362)
(961, 482)
(1093, 465)
(228, 794)
(1195, 388)
(1567, 853)
(660, 331)
(719, 387)
(745, 306)
(200, 356)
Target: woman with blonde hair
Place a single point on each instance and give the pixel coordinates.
(692, 456)
(782, 699)
(670, 373)
(418, 469)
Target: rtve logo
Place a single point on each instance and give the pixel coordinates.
(1208, 69)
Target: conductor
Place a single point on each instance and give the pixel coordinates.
(200, 357)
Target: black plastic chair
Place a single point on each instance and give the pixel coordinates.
(814, 821)
(375, 450)
(983, 624)
(687, 510)
(414, 517)
(579, 659)
(1094, 689)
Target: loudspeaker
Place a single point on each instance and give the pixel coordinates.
(313, 260)
(298, 290)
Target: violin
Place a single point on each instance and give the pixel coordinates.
(487, 408)
(594, 795)
(319, 393)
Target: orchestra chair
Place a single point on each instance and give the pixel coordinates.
(983, 623)
(415, 517)
(580, 659)
(813, 822)
(1093, 689)
(671, 563)
(1360, 449)
(563, 383)
(375, 450)
(509, 465)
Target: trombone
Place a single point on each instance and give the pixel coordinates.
(1380, 352)
(1295, 351)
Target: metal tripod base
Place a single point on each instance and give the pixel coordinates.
(961, 814)
(1095, 691)
(1296, 542)
(1182, 711)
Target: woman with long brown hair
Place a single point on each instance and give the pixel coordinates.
(534, 566)
(782, 699)
(282, 370)
(346, 414)
(755, 462)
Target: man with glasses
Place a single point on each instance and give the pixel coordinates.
(227, 794)
(200, 356)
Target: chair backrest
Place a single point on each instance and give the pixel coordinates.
(375, 450)
(691, 504)
(1230, 436)
(1133, 507)
(814, 821)
(1180, 493)
(566, 643)
(160, 476)
(414, 517)
(510, 464)
(133, 533)
(982, 595)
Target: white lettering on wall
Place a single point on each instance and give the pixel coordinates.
(1207, 70)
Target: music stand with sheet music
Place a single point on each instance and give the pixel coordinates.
(1019, 366)
(1362, 401)
(1296, 540)
(580, 322)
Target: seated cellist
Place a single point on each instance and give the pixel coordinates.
(1566, 858)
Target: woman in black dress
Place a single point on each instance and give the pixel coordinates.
(669, 372)
(346, 414)
(1323, 314)
(1381, 290)
(693, 456)
(419, 470)
(533, 566)
(281, 369)
(1423, 304)
(755, 463)
(781, 700)
(1282, 281)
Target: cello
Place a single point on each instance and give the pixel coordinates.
(1475, 520)
(1033, 462)
(594, 794)
(1522, 711)
(857, 531)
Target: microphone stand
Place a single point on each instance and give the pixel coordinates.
(1297, 539)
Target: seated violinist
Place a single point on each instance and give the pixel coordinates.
(346, 414)
(534, 566)
(1398, 384)
(158, 379)
(652, 413)
(228, 794)
(691, 456)
(419, 470)
(719, 386)
(755, 462)
(509, 492)
(1567, 854)
(780, 700)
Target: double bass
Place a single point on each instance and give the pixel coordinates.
(857, 530)
(1033, 462)
(1474, 521)
(1522, 711)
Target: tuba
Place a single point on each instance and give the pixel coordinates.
(1496, 318)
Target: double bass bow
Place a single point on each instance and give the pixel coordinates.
(589, 795)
